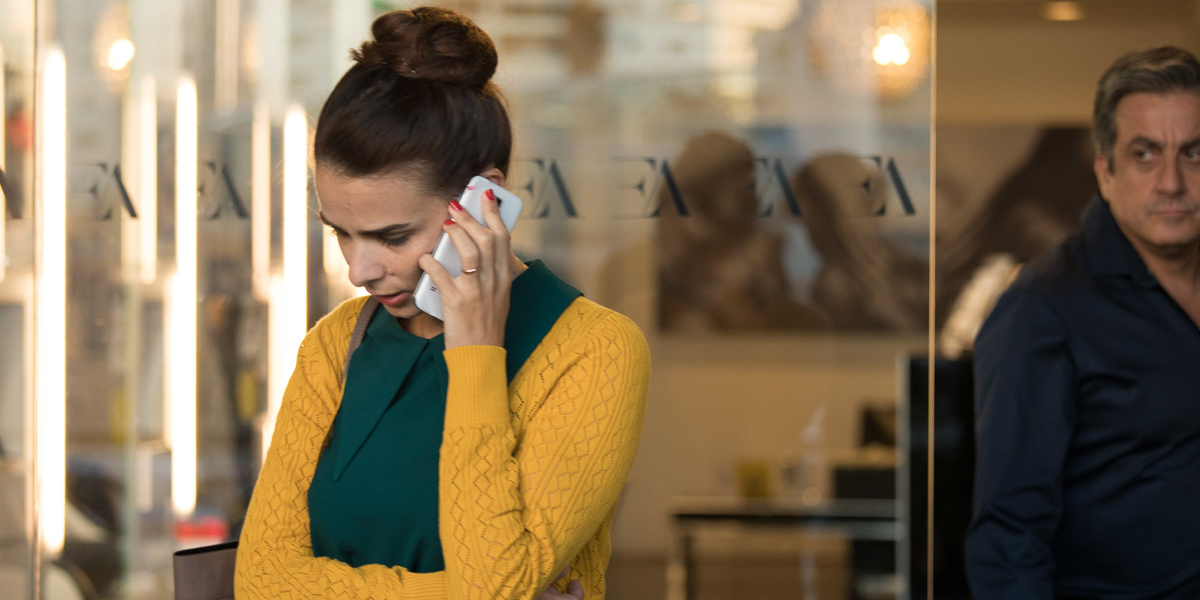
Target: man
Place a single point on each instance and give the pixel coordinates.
(1088, 371)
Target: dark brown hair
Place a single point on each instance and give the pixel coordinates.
(1158, 71)
(420, 100)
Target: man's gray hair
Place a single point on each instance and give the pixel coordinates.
(1158, 71)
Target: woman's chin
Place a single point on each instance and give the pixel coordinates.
(406, 310)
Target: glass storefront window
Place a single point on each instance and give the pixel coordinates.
(747, 180)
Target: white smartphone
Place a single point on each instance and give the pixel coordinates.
(427, 297)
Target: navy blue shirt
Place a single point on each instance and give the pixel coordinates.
(1087, 480)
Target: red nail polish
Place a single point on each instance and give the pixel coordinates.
(455, 205)
(449, 221)
(490, 195)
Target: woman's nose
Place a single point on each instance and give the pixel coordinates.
(364, 266)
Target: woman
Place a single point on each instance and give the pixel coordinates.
(477, 458)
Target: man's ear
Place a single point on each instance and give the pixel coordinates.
(1104, 175)
(493, 174)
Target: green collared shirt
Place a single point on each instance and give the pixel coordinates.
(374, 496)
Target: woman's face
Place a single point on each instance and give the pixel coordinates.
(383, 225)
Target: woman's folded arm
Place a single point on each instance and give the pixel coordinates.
(275, 559)
(513, 513)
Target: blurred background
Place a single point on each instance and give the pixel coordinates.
(749, 180)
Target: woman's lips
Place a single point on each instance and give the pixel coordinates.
(393, 300)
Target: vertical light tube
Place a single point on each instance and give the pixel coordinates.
(147, 182)
(3, 143)
(51, 293)
(131, 173)
(289, 301)
(277, 357)
(337, 272)
(260, 199)
(331, 258)
(295, 222)
(131, 246)
(181, 384)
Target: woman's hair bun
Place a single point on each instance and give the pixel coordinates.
(431, 43)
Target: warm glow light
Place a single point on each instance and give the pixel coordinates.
(288, 310)
(3, 167)
(51, 292)
(891, 49)
(1062, 11)
(148, 177)
(260, 199)
(331, 255)
(120, 54)
(279, 360)
(337, 272)
(871, 49)
(181, 307)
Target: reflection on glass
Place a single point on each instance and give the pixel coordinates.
(3, 168)
(746, 180)
(120, 54)
(181, 308)
(51, 303)
(289, 292)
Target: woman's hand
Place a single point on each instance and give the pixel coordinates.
(474, 304)
(574, 590)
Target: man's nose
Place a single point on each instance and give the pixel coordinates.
(364, 265)
(1170, 179)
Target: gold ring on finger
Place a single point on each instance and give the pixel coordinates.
(470, 271)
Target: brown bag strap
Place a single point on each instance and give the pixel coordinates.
(360, 329)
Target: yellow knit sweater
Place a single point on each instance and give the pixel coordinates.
(529, 473)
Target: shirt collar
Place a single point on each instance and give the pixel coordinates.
(1109, 253)
(378, 370)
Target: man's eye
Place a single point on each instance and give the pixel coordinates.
(393, 242)
(1193, 154)
(1143, 155)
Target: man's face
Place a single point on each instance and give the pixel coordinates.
(1153, 186)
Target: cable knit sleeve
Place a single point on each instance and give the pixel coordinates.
(275, 559)
(516, 507)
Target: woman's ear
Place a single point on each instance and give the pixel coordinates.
(495, 175)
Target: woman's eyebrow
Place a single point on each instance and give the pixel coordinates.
(382, 231)
(385, 231)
